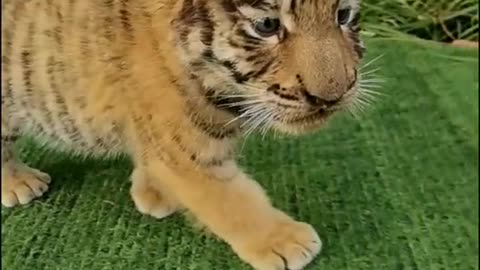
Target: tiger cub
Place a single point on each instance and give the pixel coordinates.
(173, 84)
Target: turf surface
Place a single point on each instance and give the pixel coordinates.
(396, 190)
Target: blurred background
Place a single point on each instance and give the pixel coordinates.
(438, 20)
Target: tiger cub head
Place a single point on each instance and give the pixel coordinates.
(281, 64)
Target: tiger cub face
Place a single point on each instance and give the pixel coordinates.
(281, 64)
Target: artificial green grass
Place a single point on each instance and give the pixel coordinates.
(396, 190)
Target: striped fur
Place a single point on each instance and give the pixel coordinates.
(218, 45)
(173, 84)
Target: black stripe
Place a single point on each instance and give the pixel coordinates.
(251, 40)
(85, 52)
(293, 6)
(359, 49)
(9, 138)
(26, 66)
(229, 6)
(355, 22)
(235, 44)
(286, 96)
(355, 77)
(42, 115)
(57, 35)
(26, 59)
(203, 18)
(8, 93)
(62, 116)
(224, 103)
(125, 16)
(8, 33)
(40, 97)
(186, 19)
(108, 21)
(237, 76)
(254, 57)
(263, 70)
(216, 131)
(258, 4)
(209, 56)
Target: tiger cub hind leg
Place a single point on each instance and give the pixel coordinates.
(149, 198)
(20, 183)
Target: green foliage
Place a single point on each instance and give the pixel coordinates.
(440, 20)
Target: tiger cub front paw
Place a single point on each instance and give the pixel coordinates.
(21, 184)
(290, 246)
(149, 199)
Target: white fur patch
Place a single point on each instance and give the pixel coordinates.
(353, 4)
(228, 170)
(255, 14)
(286, 15)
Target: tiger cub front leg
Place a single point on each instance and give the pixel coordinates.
(235, 208)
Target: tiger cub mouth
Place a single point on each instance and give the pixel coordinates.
(320, 114)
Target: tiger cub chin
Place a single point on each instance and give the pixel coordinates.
(173, 84)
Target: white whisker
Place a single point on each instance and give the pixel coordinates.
(372, 61)
(370, 91)
(248, 110)
(373, 80)
(258, 122)
(369, 86)
(365, 73)
(251, 115)
(222, 96)
(351, 108)
(242, 103)
(363, 93)
(268, 124)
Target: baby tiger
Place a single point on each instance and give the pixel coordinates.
(173, 84)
